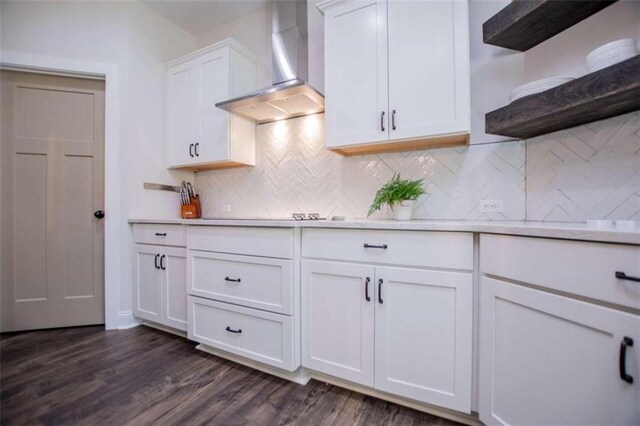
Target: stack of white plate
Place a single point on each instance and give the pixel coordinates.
(611, 53)
(537, 87)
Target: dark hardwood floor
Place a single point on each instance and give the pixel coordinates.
(90, 376)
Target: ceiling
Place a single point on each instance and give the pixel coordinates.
(199, 17)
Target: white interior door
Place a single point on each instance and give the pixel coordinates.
(214, 122)
(424, 335)
(52, 153)
(356, 83)
(337, 320)
(548, 359)
(428, 68)
(147, 295)
(173, 263)
(182, 117)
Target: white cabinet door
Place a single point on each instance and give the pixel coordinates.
(337, 320)
(174, 287)
(182, 118)
(548, 359)
(214, 71)
(423, 334)
(356, 73)
(147, 295)
(428, 68)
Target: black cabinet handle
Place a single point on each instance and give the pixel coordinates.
(161, 234)
(366, 289)
(382, 121)
(230, 330)
(380, 291)
(622, 276)
(155, 261)
(383, 246)
(162, 266)
(231, 280)
(626, 341)
(393, 119)
(195, 149)
(191, 150)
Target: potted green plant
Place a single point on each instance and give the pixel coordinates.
(399, 194)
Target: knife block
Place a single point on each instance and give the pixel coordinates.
(193, 210)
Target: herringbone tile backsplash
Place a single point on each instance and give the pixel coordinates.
(295, 173)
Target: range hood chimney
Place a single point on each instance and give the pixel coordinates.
(290, 96)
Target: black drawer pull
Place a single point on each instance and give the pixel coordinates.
(161, 234)
(383, 246)
(626, 341)
(380, 291)
(162, 265)
(230, 330)
(366, 289)
(622, 276)
(231, 280)
(155, 261)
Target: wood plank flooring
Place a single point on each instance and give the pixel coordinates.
(89, 376)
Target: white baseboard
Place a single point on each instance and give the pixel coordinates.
(127, 320)
(164, 328)
(299, 376)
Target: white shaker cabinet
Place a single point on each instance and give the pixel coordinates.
(401, 330)
(338, 322)
(396, 74)
(550, 359)
(199, 135)
(147, 292)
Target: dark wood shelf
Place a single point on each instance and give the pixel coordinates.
(611, 91)
(526, 23)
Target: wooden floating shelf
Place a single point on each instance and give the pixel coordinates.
(524, 24)
(611, 91)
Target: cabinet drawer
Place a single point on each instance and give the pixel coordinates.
(453, 250)
(257, 335)
(257, 282)
(168, 235)
(268, 242)
(582, 268)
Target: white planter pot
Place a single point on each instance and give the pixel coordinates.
(403, 210)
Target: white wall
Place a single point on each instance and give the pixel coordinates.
(253, 31)
(139, 42)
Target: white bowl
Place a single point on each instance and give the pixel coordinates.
(537, 86)
(611, 53)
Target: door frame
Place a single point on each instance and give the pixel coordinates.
(109, 72)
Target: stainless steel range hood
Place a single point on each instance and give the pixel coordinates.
(290, 96)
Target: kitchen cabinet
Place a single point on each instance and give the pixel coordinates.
(338, 325)
(401, 330)
(550, 359)
(556, 328)
(243, 297)
(160, 291)
(199, 135)
(396, 74)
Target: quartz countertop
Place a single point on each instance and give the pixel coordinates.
(570, 230)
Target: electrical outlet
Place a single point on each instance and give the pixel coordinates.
(226, 208)
(491, 206)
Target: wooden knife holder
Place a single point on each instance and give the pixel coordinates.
(193, 210)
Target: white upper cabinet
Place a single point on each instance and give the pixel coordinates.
(356, 73)
(199, 135)
(396, 74)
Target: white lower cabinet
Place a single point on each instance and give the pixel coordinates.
(160, 291)
(420, 320)
(423, 334)
(338, 321)
(251, 333)
(550, 359)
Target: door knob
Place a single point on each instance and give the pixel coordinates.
(99, 214)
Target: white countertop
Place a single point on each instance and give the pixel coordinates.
(569, 231)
